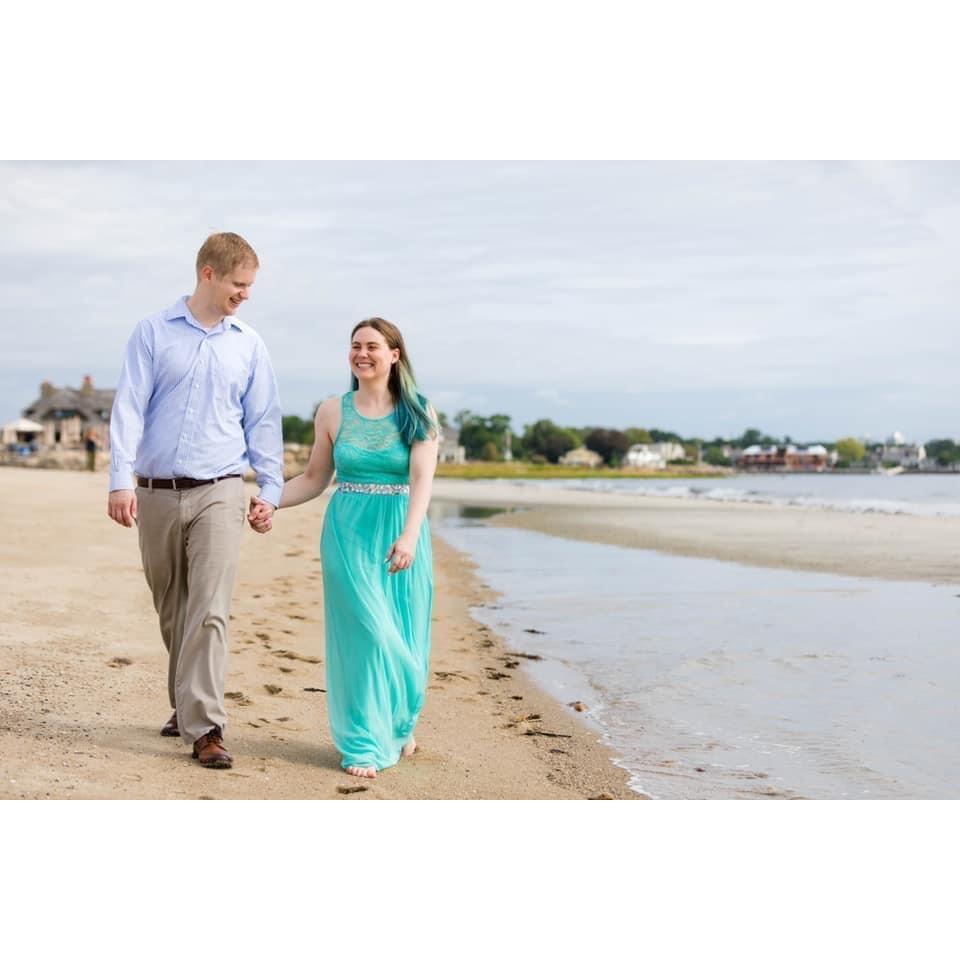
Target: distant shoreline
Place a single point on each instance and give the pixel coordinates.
(885, 546)
(488, 470)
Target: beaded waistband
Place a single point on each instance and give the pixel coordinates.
(388, 488)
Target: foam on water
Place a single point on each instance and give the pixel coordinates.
(921, 495)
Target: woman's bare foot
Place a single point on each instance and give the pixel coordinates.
(409, 748)
(370, 773)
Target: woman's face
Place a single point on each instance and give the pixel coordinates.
(370, 357)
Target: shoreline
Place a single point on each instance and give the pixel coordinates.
(85, 675)
(876, 545)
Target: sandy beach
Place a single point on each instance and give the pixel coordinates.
(84, 688)
(886, 546)
(84, 671)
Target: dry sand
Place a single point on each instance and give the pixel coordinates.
(84, 674)
(886, 546)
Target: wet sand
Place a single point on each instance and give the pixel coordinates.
(886, 546)
(84, 675)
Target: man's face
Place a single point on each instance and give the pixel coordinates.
(228, 292)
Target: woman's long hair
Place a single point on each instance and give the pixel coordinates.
(413, 415)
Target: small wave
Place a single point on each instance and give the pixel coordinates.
(727, 494)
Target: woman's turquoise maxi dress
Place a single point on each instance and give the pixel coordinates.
(377, 623)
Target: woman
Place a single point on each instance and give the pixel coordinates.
(381, 438)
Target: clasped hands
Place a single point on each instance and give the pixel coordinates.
(260, 515)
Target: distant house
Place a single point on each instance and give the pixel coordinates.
(645, 455)
(671, 451)
(68, 414)
(907, 455)
(450, 449)
(654, 456)
(581, 457)
(22, 431)
(815, 458)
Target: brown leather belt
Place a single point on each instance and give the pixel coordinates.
(180, 483)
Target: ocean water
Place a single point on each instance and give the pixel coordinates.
(921, 494)
(718, 680)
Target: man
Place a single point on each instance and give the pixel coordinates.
(90, 446)
(197, 400)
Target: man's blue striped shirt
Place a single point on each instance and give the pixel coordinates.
(196, 402)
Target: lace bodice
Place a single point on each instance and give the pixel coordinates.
(369, 451)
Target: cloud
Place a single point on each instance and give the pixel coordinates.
(517, 283)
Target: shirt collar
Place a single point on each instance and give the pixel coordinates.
(180, 311)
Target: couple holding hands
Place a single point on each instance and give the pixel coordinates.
(196, 402)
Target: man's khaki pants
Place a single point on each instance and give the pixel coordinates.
(190, 544)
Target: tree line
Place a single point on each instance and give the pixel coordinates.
(491, 437)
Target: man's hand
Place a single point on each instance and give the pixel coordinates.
(260, 516)
(122, 507)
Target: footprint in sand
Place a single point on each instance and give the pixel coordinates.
(272, 689)
(293, 655)
(119, 662)
(238, 697)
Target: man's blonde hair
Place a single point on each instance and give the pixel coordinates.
(226, 252)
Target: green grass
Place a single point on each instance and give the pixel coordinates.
(521, 470)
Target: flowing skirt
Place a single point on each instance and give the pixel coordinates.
(377, 627)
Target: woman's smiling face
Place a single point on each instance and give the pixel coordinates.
(370, 357)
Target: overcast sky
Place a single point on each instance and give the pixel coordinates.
(810, 299)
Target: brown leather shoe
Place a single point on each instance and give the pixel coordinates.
(210, 752)
(170, 728)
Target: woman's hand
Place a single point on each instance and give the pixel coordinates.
(401, 554)
(260, 516)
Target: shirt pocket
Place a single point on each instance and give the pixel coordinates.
(232, 374)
